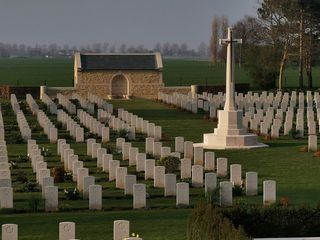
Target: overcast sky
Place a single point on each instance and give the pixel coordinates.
(132, 22)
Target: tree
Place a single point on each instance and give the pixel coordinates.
(279, 22)
(247, 30)
(262, 64)
(308, 36)
(214, 40)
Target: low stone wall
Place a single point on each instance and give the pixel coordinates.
(20, 92)
(52, 91)
(239, 87)
(171, 90)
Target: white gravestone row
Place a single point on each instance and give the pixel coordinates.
(84, 103)
(90, 122)
(52, 107)
(6, 191)
(22, 121)
(32, 104)
(48, 127)
(67, 231)
(74, 129)
(103, 104)
(2, 133)
(65, 102)
(265, 112)
(43, 178)
(138, 124)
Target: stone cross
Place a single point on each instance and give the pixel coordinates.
(230, 97)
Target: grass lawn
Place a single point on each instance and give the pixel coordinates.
(296, 174)
(176, 72)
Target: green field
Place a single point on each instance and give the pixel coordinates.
(176, 72)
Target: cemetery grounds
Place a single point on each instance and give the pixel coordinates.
(295, 172)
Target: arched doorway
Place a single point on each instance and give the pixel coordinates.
(119, 86)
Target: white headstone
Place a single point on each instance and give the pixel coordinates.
(269, 192)
(222, 167)
(197, 176)
(149, 169)
(51, 198)
(235, 174)
(121, 173)
(139, 196)
(129, 181)
(251, 183)
(121, 229)
(185, 168)
(67, 230)
(6, 197)
(95, 197)
(159, 172)
(210, 182)
(225, 194)
(87, 182)
(182, 194)
(9, 232)
(209, 162)
(169, 185)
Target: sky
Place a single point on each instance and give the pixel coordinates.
(132, 22)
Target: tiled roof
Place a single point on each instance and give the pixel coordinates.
(119, 62)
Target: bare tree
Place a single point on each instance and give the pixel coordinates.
(214, 40)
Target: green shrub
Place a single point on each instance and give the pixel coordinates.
(170, 163)
(295, 134)
(23, 158)
(58, 174)
(237, 191)
(123, 133)
(67, 176)
(276, 221)
(72, 194)
(213, 196)
(205, 222)
(22, 177)
(34, 203)
(30, 187)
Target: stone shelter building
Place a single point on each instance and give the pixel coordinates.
(117, 75)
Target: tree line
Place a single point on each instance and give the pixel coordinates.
(284, 32)
(54, 50)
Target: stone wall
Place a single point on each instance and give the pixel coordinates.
(181, 90)
(20, 92)
(142, 83)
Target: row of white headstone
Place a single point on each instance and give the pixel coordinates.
(65, 102)
(48, 127)
(34, 108)
(140, 125)
(94, 126)
(52, 107)
(80, 175)
(6, 190)
(125, 120)
(67, 231)
(2, 132)
(75, 130)
(84, 103)
(259, 112)
(43, 178)
(21, 119)
(101, 103)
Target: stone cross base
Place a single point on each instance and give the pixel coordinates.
(230, 134)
